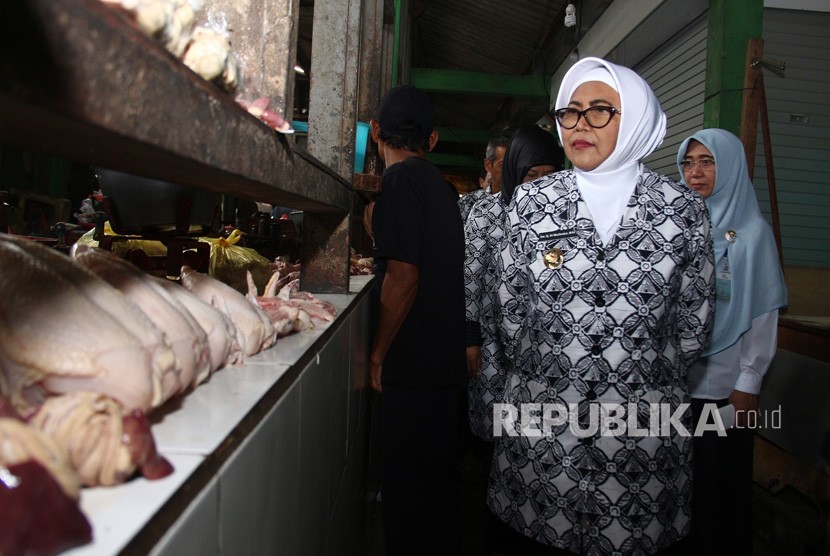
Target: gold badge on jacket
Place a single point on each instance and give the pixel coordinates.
(554, 258)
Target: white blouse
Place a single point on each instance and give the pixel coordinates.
(741, 366)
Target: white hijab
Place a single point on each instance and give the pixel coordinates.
(607, 188)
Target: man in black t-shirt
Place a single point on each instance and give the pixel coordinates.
(418, 357)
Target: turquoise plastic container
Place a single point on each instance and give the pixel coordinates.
(361, 141)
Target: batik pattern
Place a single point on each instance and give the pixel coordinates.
(483, 232)
(468, 200)
(615, 324)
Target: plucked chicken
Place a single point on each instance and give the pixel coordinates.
(64, 329)
(220, 331)
(254, 330)
(187, 337)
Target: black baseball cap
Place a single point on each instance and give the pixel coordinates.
(406, 111)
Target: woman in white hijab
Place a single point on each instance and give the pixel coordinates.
(607, 289)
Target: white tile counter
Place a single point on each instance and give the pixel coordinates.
(247, 418)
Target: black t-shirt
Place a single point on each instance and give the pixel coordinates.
(416, 220)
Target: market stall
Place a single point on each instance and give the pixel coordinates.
(268, 454)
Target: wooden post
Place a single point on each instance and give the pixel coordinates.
(773, 191)
(749, 114)
(755, 104)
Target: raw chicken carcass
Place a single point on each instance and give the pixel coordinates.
(279, 306)
(188, 339)
(254, 330)
(64, 329)
(91, 427)
(220, 331)
(318, 309)
(285, 317)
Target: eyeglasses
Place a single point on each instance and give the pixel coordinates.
(704, 164)
(595, 116)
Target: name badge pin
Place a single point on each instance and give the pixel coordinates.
(731, 235)
(554, 258)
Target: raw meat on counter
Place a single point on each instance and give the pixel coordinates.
(44, 519)
(360, 265)
(290, 310)
(286, 318)
(220, 331)
(104, 445)
(317, 309)
(63, 329)
(259, 108)
(254, 330)
(39, 513)
(187, 337)
(20, 443)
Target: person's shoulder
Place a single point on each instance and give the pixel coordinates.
(551, 185)
(487, 204)
(414, 171)
(670, 187)
(470, 198)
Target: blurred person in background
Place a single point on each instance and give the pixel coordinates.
(533, 152)
(490, 182)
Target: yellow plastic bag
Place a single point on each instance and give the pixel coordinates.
(230, 262)
(121, 248)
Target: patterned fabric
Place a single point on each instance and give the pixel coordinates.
(466, 201)
(483, 232)
(620, 324)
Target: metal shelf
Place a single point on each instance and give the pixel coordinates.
(79, 80)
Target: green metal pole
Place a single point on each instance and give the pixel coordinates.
(396, 43)
(731, 24)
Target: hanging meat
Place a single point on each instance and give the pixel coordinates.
(63, 329)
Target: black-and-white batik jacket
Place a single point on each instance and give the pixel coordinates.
(483, 232)
(589, 328)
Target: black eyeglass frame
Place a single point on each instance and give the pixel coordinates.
(560, 113)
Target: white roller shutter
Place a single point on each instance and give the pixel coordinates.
(799, 115)
(676, 72)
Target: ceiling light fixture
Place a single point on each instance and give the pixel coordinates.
(570, 15)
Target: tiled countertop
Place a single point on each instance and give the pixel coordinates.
(190, 428)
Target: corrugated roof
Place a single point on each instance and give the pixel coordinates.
(522, 37)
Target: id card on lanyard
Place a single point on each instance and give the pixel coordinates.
(723, 279)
